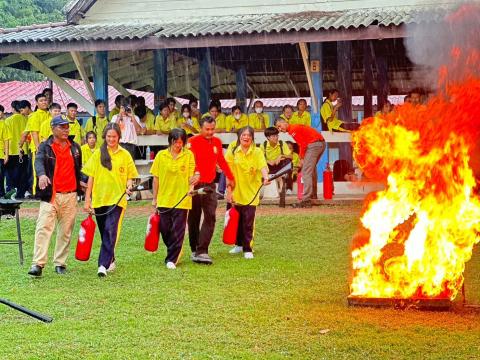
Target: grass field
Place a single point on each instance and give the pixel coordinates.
(279, 305)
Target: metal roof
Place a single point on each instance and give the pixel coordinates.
(228, 25)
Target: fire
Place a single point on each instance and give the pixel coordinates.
(420, 231)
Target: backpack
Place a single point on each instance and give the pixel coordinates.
(94, 121)
(265, 147)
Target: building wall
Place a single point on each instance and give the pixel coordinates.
(151, 10)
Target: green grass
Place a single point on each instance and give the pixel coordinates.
(274, 306)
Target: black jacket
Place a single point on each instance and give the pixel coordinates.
(45, 165)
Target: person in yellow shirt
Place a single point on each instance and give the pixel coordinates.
(141, 102)
(215, 112)
(98, 122)
(164, 122)
(89, 147)
(329, 111)
(250, 171)
(301, 116)
(194, 108)
(258, 119)
(171, 106)
(76, 130)
(147, 120)
(4, 142)
(46, 130)
(173, 170)
(236, 120)
(296, 166)
(287, 113)
(187, 122)
(119, 99)
(110, 172)
(385, 109)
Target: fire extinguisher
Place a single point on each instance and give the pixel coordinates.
(85, 239)
(153, 232)
(232, 216)
(327, 183)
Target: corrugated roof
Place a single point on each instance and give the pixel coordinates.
(230, 25)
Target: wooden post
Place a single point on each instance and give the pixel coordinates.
(159, 77)
(100, 76)
(382, 79)
(305, 57)
(205, 79)
(78, 60)
(367, 79)
(241, 83)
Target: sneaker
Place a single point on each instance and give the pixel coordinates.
(28, 195)
(202, 259)
(192, 257)
(102, 271)
(112, 267)
(248, 255)
(289, 192)
(236, 250)
(171, 265)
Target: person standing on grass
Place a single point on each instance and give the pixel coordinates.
(4, 143)
(250, 169)
(312, 145)
(97, 122)
(172, 172)
(110, 172)
(57, 165)
(208, 153)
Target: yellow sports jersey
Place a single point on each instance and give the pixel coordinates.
(100, 124)
(193, 123)
(234, 124)
(259, 121)
(112, 113)
(164, 125)
(4, 136)
(109, 185)
(273, 153)
(220, 121)
(87, 152)
(150, 122)
(326, 111)
(304, 119)
(76, 130)
(45, 131)
(173, 178)
(16, 125)
(34, 124)
(295, 159)
(246, 168)
(282, 116)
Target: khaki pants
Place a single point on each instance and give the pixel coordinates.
(62, 212)
(309, 174)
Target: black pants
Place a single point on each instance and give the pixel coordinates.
(172, 228)
(246, 225)
(130, 148)
(200, 237)
(109, 228)
(2, 178)
(17, 174)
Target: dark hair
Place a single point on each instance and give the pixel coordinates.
(236, 107)
(287, 107)
(191, 101)
(119, 99)
(55, 106)
(72, 105)
(38, 96)
(271, 131)
(277, 120)
(140, 111)
(206, 119)
(295, 146)
(257, 101)
(213, 105)
(89, 133)
(163, 105)
(23, 104)
(105, 158)
(50, 90)
(186, 106)
(99, 102)
(125, 104)
(15, 104)
(132, 100)
(176, 134)
(170, 100)
(299, 100)
(140, 101)
(2, 108)
(332, 91)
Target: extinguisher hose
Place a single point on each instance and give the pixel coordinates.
(114, 206)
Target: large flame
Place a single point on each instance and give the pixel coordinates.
(420, 231)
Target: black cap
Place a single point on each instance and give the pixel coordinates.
(59, 120)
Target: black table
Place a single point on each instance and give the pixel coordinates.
(11, 207)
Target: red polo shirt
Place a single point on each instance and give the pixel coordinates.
(304, 136)
(64, 174)
(208, 153)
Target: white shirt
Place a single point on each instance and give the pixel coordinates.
(129, 135)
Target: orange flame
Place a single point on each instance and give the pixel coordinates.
(420, 231)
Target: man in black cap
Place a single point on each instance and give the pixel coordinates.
(57, 165)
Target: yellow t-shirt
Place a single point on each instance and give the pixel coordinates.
(295, 159)
(272, 153)
(87, 152)
(259, 121)
(77, 130)
(165, 125)
(4, 136)
(233, 124)
(16, 125)
(282, 116)
(150, 122)
(326, 111)
(304, 119)
(220, 121)
(173, 176)
(34, 124)
(112, 113)
(108, 185)
(246, 169)
(100, 125)
(194, 123)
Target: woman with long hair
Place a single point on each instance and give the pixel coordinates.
(172, 170)
(250, 170)
(110, 172)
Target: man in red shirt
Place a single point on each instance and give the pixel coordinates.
(312, 145)
(208, 153)
(57, 164)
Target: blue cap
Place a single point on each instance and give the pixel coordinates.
(59, 120)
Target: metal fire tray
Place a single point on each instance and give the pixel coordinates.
(420, 303)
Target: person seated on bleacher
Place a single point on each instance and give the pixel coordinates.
(293, 147)
(164, 122)
(147, 120)
(215, 112)
(258, 119)
(385, 109)
(301, 116)
(329, 113)
(195, 112)
(276, 152)
(236, 120)
(188, 122)
(287, 113)
(171, 106)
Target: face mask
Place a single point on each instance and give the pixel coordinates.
(237, 116)
(186, 115)
(259, 110)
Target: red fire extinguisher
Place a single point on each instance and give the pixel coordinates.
(153, 232)
(327, 183)
(232, 217)
(85, 239)
(299, 186)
